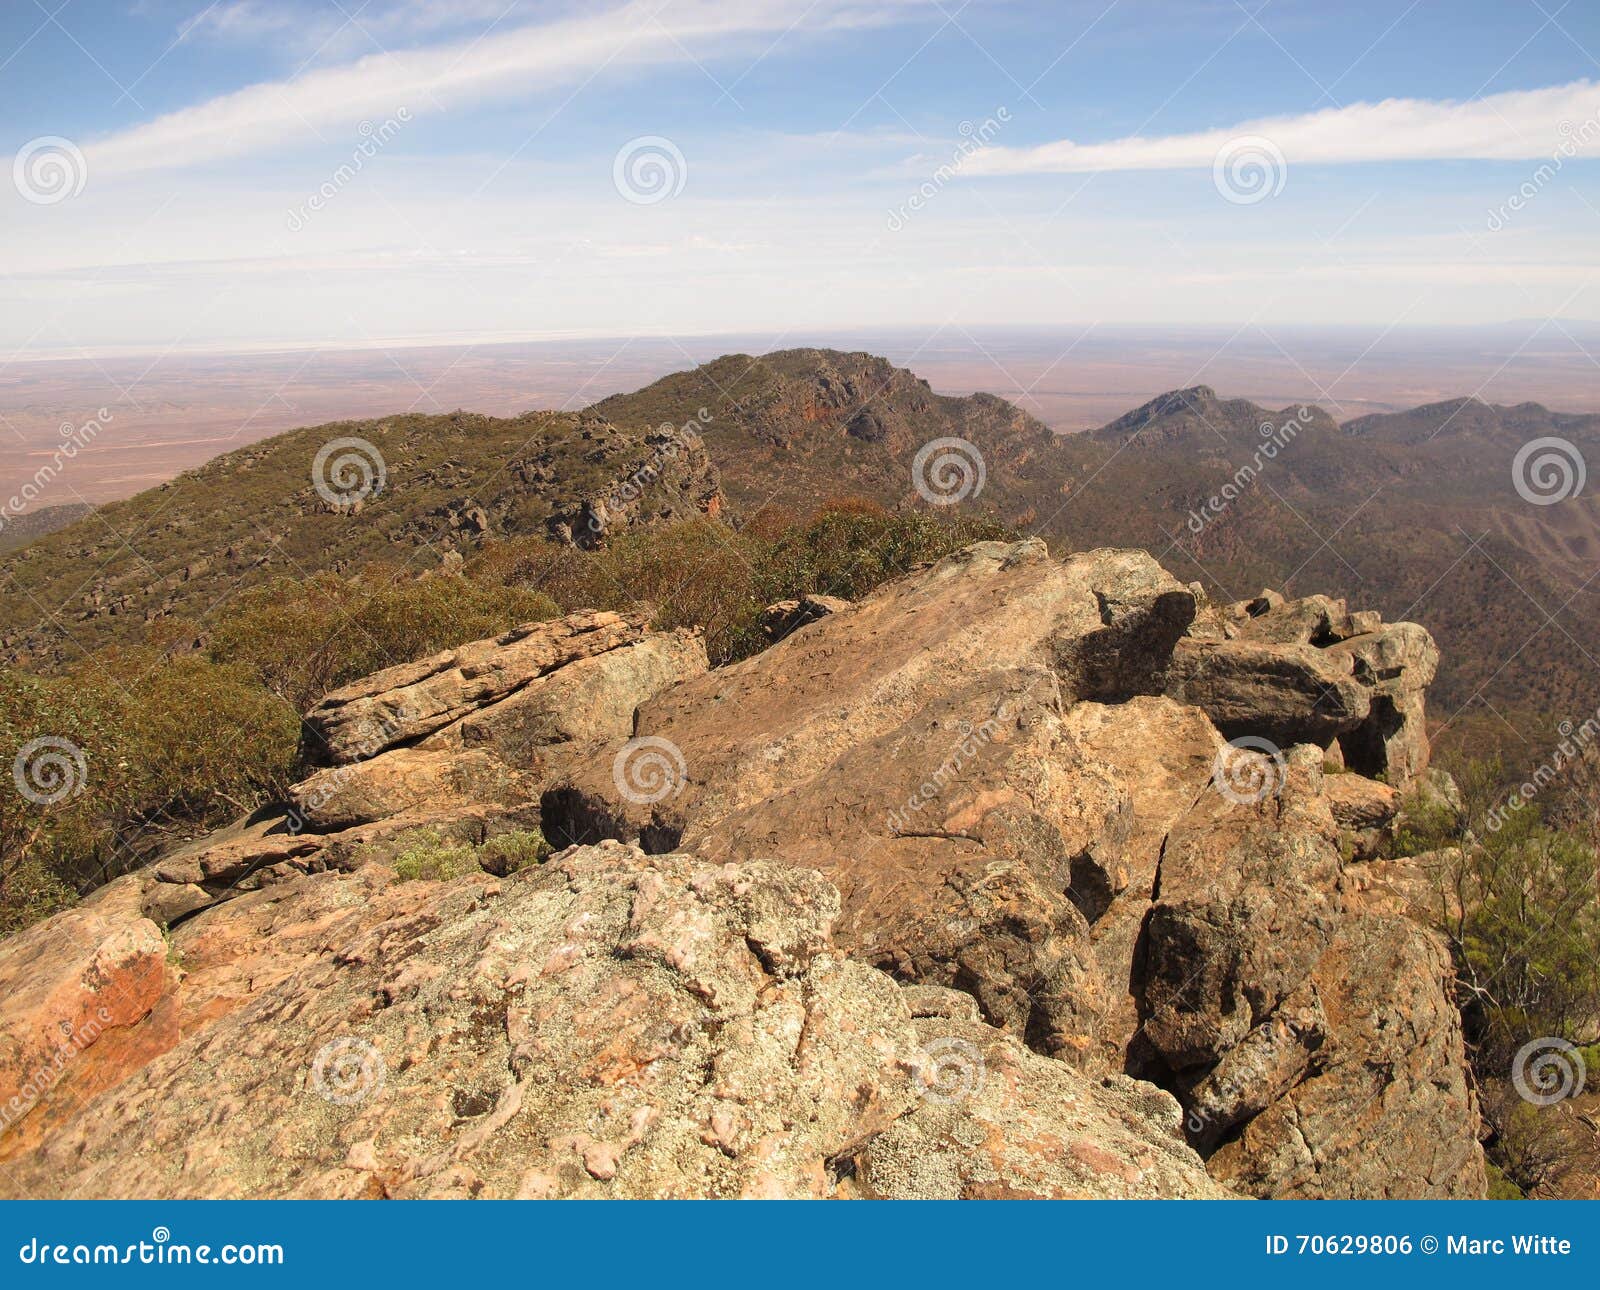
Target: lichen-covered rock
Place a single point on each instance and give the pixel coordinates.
(1002, 1123)
(1384, 1086)
(609, 1025)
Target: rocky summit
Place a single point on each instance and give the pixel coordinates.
(1020, 877)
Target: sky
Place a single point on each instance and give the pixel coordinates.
(179, 176)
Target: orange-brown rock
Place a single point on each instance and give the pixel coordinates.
(1087, 895)
(611, 1024)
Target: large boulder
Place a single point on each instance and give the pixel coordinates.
(74, 987)
(1380, 1108)
(912, 749)
(1312, 671)
(609, 1025)
(1289, 694)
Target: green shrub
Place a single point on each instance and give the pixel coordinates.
(851, 549)
(708, 575)
(125, 749)
(306, 637)
(700, 573)
(429, 858)
(425, 856)
(506, 853)
(1501, 1187)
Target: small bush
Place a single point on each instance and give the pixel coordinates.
(852, 548)
(506, 853)
(1501, 1187)
(425, 856)
(429, 858)
(705, 574)
(123, 751)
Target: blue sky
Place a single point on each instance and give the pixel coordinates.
(184, 176)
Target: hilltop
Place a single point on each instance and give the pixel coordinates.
(800, 426)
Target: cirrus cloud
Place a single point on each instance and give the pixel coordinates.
(524, 61)
(1514, 126)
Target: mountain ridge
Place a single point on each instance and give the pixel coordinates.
(1415, 512)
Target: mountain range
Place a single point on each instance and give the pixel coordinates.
(1441, 514)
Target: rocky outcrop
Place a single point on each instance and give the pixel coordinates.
(609, 1025)
(673, 481)
(404, 704)
(992, 783)
(1009, 808)
(912, 749)
(1310, 671)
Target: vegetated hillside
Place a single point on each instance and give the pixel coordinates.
(177, 551)
(20, 530)
(800, 426)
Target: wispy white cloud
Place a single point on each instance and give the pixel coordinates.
(525, 60)
(1513, 126)
(301, 29)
